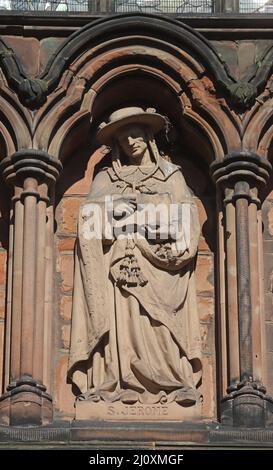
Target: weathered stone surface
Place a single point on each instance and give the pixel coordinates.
(269, 336)
(203, 217)
(204, 275)
(66, 307)
(269, 307)
(267, 214)
(2, 303)
(246, 57)
(66, 244)
(207, 332)
(270, 221)
(27, 49)
(207, 388)
(205, 308)
(203, 245)
(139, 412)
(47, 47)
(64, 397)
(148, 435)
(268, 247)
(268, 264)
(269, 384)
(66, 267)
(3, 267)
(228, 51)
(262, 46)
(207, 223)
(69, 215)
(65, 336)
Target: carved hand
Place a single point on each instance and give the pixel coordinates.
(124, 205)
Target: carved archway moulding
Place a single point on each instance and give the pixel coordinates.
(94, 70)
(104, 46)
(52, 131)
(33, 91)
(15, 121)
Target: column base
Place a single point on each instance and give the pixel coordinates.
(26, 404)
(247, 405)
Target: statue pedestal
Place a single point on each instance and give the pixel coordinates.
(86, 410)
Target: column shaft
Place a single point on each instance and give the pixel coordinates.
(49, 296)
(244, 293)
(231, 286)
(29, 276)
(256, 295)
(40, 289)
(15, 369)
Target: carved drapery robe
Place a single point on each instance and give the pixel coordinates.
(141, 342)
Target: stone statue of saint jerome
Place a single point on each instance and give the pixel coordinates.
(135, 327)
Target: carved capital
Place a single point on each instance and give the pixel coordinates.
(30, 163)
(241, 175)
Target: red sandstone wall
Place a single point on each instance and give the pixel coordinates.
(34, 54)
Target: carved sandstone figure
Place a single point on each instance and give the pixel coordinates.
(135, 328)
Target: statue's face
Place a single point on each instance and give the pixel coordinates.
(133, 141)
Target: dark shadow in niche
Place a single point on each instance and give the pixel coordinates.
(5, 197)
(5, 193)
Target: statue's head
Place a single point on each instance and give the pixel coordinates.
(130, 131)
(133, 140)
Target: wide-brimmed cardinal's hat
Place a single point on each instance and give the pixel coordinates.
(123, 117)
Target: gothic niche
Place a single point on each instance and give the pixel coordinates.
(135, 342)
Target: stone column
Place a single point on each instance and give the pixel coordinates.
(31, 175)
(240, 176)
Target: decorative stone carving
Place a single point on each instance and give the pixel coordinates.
(135, 328)
(33, 92)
